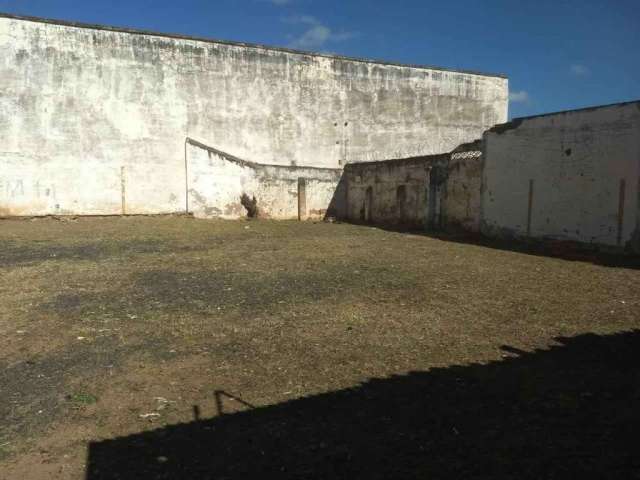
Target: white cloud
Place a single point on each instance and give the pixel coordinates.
(302, 19)
(314, 37)
(317, 34)
(520, 96)
(579, 70)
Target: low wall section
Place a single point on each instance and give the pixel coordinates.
(406, 192)
(216, 182)
(432, 192)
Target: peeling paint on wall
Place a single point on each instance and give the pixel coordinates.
(219, 182)
(76, 99)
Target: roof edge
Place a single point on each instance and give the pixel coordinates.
(398, 161)
(68, 23)
(515, 122)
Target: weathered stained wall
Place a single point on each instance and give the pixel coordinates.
(216, 182)
(570, 176)
(432, 192)
(85, 110)
(463, 183)
(405, 192)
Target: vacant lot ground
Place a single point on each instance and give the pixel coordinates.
(179, 348)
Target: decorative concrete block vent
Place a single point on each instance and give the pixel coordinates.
(461, 203)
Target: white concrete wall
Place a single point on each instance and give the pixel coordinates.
(576, 161)
(216, 181)
(76, 100)
(29, 187)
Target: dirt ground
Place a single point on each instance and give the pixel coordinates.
(169, 347)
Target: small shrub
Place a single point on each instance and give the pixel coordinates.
(82, 398)
(251, 204)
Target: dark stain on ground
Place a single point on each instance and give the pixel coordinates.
(34, 391)
(14, 253)
(205, 292)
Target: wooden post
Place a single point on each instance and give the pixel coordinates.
(302, 199)
(530, 208)
(621, 195)
(123, 191)
(186, 178)
(345, 186)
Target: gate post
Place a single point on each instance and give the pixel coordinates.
(302, 198)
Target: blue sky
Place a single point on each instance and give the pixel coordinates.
(557, 54)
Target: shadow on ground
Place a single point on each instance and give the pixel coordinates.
(562, 249)
(571, 411)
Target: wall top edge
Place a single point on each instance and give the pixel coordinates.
(399, 161)
(516, 122)
(255, 165)
(133, 31)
